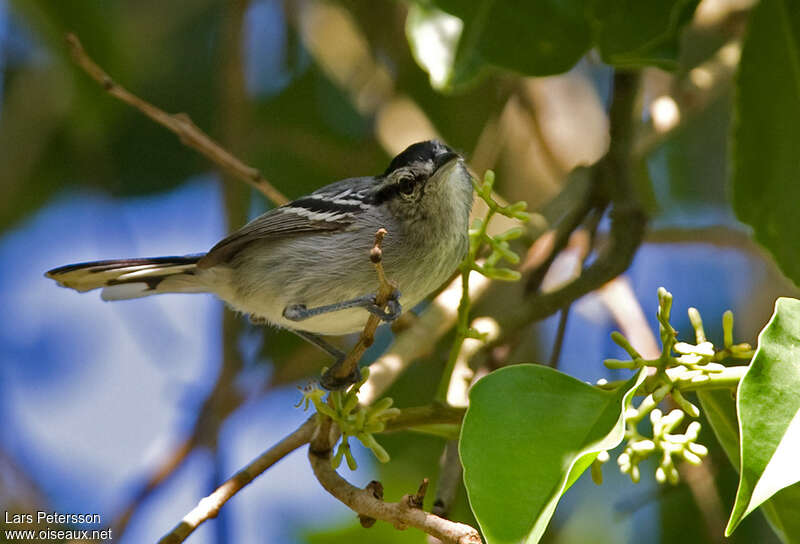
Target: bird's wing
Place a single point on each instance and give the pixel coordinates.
(328, 209)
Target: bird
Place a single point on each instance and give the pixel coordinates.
(304, 266)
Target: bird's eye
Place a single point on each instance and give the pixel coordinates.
(407, 186)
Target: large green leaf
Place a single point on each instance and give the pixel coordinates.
(768, 406)
(719, 407)
(533, 38)
(632, 33)
(528, 433)
(454, 40)
(766, 136)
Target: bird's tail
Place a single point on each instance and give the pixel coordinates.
(132, 278)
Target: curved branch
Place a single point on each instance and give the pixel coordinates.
(402, 514)
(189, 133)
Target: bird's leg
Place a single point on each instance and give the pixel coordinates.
(328, 381)
(299, 312)
(321, 344)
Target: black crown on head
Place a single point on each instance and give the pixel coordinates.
(418, 152)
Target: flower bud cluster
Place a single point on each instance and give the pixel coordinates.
(668, 445)
(352, 419)
(499, 243)
(688, 364)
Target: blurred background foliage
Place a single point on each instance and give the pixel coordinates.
(310, 92)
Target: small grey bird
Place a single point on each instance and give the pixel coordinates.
(304, 266)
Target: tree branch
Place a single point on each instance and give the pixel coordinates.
(179, 123)
(613, 178)
(402, 514)
(430, 414)
(450, 478)
(209, 507)
(343, 371)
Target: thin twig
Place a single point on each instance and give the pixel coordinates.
(449, 479)
(431, 414)
(345, 369)
(180, 124)
(402, 514)
(559, 341)
(209, 507)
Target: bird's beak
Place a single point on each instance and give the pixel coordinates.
(444, 159)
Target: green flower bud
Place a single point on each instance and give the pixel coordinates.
(350, 403)
(622, 342)
(351, 461)
(727, 328)
(635, 474)
(369, 441)
(673, 418)
(516, 207)
(693, 430)
(501, 274)
(697, 325)
(488, 180)
(691, 457)
(361, 417)
(673, 476)
(697, 449)
(374, 427)
(655, 416)
(511, 234)
(643, 447)
(616, 363)
(382, 404)
(336, 460)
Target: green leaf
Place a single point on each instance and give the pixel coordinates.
(533, 38)
(528, 433)
(768, 406)
(454, 40)
(632, 33)
(766, 136)
(433, 37)
(719, 407)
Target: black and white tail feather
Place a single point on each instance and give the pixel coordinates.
(132, 278)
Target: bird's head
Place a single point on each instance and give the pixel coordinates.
(428, 178)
